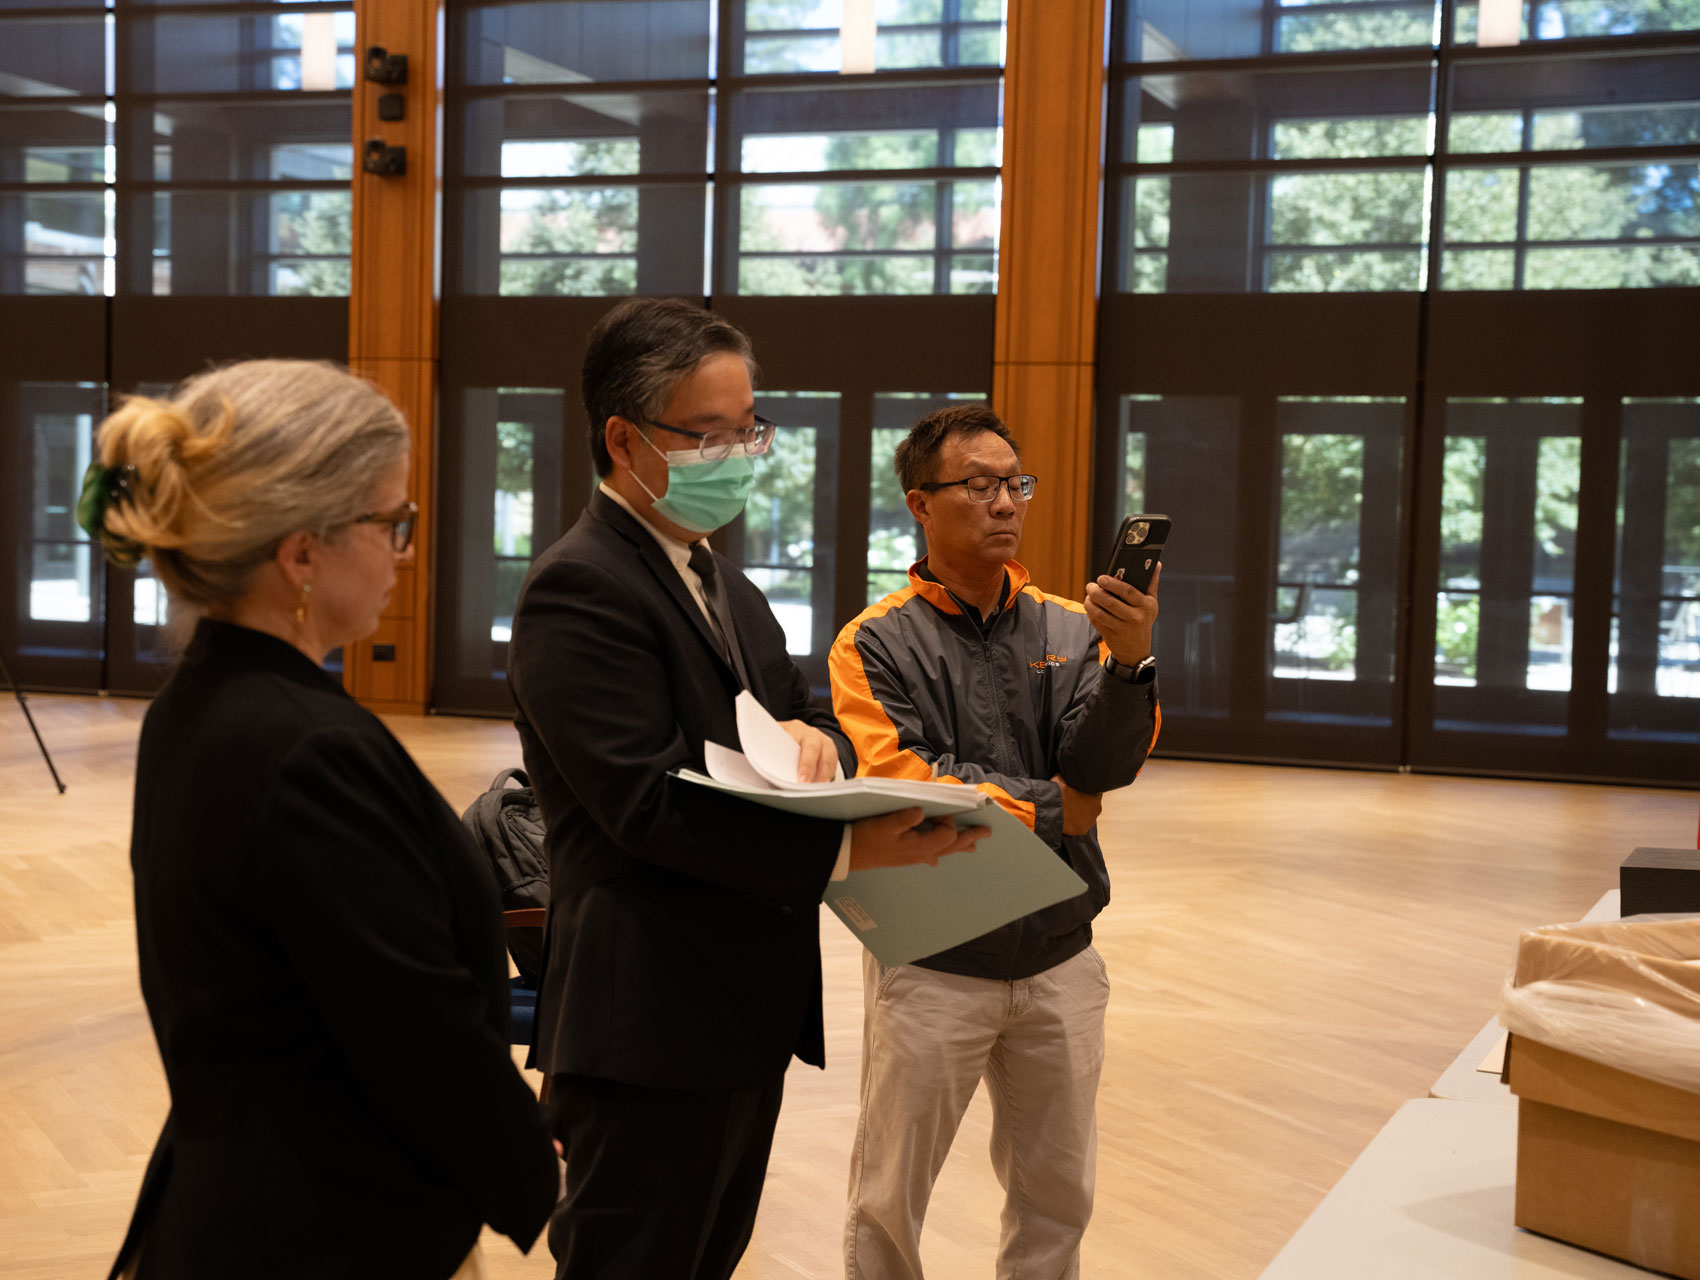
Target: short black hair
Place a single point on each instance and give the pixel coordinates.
(639, 352)
(917, 461)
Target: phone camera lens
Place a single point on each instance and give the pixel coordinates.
(1136, 532)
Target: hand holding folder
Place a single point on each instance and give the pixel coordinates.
(899, 913)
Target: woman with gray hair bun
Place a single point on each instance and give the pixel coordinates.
(321, 946)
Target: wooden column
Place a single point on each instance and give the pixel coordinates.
(393, 323)
(1047, 313)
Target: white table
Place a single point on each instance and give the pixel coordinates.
(1461, 1082)
(1607, 908)
(1432, 1198)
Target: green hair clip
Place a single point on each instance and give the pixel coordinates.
(103, 487)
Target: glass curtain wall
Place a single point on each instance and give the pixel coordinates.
(174, 191)
(823, 172)
(56, 159)
(1418, 280)
(1655, 642)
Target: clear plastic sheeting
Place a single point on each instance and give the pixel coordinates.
(1625, 994)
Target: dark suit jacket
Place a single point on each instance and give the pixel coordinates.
(683, 945)
(323, 962)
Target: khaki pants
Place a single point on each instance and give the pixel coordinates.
(927, 1040)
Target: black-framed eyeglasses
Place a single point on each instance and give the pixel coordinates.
(717, 444)
(985, 488)
(400, 521)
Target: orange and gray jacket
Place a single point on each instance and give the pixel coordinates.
(927, 689)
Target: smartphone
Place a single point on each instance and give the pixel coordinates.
(1139, 547)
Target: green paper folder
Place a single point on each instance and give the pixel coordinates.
(898, 913)
(903, 914)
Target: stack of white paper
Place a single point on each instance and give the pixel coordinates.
(766, 772)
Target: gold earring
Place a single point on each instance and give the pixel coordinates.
(301, 609)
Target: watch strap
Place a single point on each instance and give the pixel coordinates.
(1142, 672)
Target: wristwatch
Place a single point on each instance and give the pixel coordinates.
(1142, 672)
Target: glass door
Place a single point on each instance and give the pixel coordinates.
(786, 539)
(1503, 632)
(1654, 676)
(1332, 618)
(59, 601)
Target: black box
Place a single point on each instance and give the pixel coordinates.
(1660, 880)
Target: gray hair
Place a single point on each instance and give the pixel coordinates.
(236, 460)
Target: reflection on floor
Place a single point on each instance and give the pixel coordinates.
(1294, 952)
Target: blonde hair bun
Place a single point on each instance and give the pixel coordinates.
(160, 441)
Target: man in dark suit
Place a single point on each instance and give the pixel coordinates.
(682, 954)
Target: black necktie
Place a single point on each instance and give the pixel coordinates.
(719, 613)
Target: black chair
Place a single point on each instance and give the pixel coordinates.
(522, 996)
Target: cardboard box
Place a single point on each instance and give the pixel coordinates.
(1659, 880)
(1605, 1159)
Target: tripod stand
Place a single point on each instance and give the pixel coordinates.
(25, 706)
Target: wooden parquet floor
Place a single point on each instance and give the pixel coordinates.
(1294, 952)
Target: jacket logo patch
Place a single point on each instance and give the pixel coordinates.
(1047, 662)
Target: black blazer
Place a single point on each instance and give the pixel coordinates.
(323, 962)
(683, 943)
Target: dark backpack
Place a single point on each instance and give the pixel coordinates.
(508, 826)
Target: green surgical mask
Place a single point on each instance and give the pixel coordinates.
(702, 496)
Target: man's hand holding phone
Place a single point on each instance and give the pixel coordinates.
(1124, 616)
